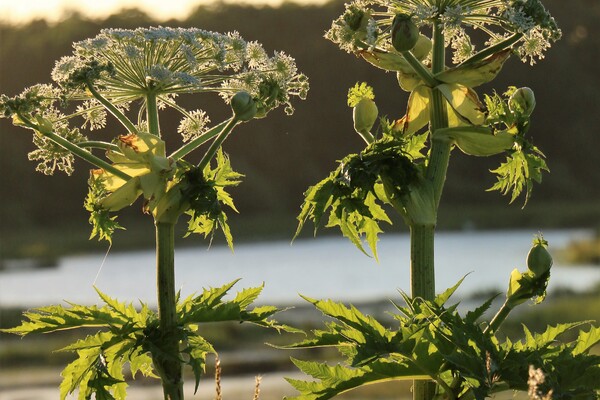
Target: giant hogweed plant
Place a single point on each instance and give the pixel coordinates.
(440, 51)
(131, 75)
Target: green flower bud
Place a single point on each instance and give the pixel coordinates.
(522, 101)
(364, 114)
(539, 259)
(405, 33)
(243, 106)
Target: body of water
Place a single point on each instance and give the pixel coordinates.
(328, 267)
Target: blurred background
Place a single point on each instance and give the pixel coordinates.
(45, 256)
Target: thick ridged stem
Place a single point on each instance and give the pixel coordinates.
(152, 114)
(422, 236)
(169, 366)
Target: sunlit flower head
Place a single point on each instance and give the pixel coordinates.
(117, 72)
(125, 65)
(366, 24)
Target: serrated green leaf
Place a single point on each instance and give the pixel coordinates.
(338, 379)
(473, 316)
(247, 296)
(197, 349)
(587, 340)
(140, 361)
(519, 172)
(77, 372)
(442, 298)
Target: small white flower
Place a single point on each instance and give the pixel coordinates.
(462, 46)
(193, 125)
(533, 47)
(64, 67)
(93, 114)
(51, 156)
(425, 12)
(517, 17)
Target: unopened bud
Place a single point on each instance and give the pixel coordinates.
(364, 114)
(539, 259)
(243, 106)
(522, 101)
(405, 33)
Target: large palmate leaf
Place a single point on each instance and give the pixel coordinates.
(433, 341)
(133, 336)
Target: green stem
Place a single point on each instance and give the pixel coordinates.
(113, 110)
(499, 318)
(422, 235)
(75, 149)
(152, 114)
(214, 147)
(168, 364)
(422, 273)
(197, 142)
(420, 69)
(440, 149)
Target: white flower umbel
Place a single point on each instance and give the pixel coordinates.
(366, 25)
(172, 60)
(135, 73)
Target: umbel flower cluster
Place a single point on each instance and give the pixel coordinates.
(125, 73)
(523, 24)
(122, 67)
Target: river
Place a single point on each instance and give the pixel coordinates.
(326, 267)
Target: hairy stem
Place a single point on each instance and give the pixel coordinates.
(422, 268)
(168, 364)
(96, 144)
(422, 274)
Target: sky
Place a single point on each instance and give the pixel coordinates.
(22, 11)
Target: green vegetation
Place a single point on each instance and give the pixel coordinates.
(134, 84)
